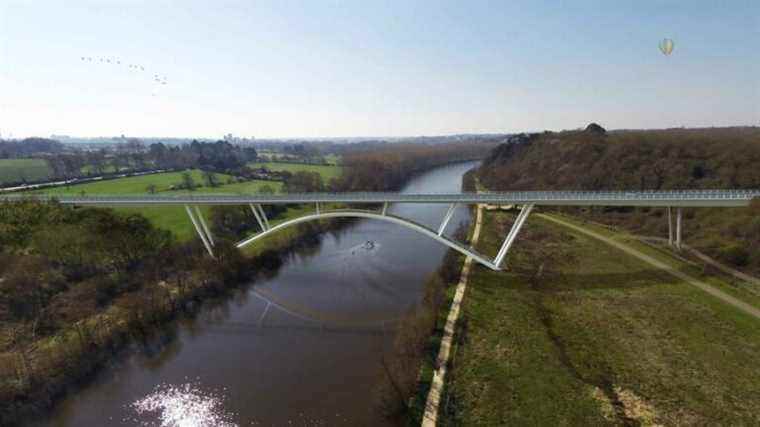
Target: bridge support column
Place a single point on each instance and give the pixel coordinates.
(263, 216)
(261, 222)
(317, 208)
(446, 218)
(670, 226)
(200, 231)
(678, 229)
(204, 226)
(385, 208)
(524, 212)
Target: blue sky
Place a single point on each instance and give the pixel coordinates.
(365, 68)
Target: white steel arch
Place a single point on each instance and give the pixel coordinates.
(354, 213)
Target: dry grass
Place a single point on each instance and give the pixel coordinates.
(598, 338)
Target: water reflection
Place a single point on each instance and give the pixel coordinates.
(184, 405)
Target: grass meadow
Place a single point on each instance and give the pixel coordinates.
(171, 218)
(326, 171)
(575, 332)
(15, 170)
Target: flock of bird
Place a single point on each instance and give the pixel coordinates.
(156, 77)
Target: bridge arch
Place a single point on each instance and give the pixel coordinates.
(355, 213)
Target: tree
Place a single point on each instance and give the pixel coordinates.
(210, 178)
(121, 161)
(151, 189)
(97, 159)
(188, 183)
(28, 285)
(304, 182)
(160, 155)
(139, 160)
(70, 247)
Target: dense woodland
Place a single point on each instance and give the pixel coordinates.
(645, 160)
(390, 166)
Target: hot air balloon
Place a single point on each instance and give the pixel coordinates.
(666, 46)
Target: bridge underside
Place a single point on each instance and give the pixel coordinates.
(382, 215)
(354, 213)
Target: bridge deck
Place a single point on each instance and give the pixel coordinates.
(685, 198)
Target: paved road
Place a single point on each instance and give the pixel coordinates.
(728, 299)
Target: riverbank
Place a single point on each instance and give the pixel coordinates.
(54, 366)
(576, 332)
(435, 392)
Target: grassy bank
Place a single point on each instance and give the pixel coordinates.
(575, 332)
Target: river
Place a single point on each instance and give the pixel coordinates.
(300, 348)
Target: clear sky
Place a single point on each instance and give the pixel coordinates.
(366, 68)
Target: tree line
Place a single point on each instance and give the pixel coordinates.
(131, 156)
(388, 167)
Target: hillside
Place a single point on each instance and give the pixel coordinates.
(645, 160)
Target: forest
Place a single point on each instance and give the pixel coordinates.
(593, 159)
(388, 166)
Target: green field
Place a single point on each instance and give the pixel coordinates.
(163, 183)
(90, 170)
(14, 170)
(575, 332)
(332, 159)
(171, 218)
(326, 171)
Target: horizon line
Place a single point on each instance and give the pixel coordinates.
(370, 137)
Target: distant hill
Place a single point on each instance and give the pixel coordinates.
(594, 159)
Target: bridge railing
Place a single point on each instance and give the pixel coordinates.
(514, 197)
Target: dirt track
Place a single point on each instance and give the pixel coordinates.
(728, 299)
(436, 387)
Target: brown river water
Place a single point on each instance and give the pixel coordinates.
(301, 348)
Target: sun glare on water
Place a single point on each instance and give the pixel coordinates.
(184, 405)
